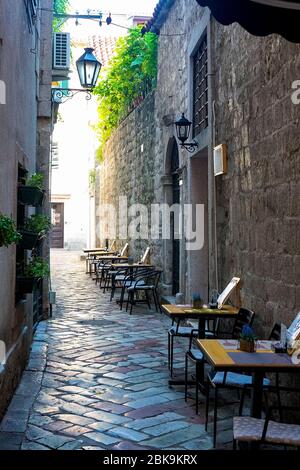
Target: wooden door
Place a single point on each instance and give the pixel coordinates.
(57, 233)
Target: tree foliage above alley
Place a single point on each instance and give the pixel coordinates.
(131, 72)
(59, 6)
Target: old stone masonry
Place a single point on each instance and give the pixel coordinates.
(98, 378)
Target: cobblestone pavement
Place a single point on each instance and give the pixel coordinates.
(98, 378)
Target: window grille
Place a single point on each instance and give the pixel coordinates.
(200, 88)
(31, 12)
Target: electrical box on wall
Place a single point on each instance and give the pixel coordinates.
(220, 160)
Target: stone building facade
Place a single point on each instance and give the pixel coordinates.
(252, 212)
(25, 129)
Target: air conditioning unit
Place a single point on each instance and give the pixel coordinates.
(61, 51)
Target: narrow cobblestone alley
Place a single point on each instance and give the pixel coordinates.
(98, 378)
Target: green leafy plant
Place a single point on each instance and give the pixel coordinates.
(196, 296)
(38, 223)
(8, 232)
(92, 178)
(60, 6)
(37, 268)
(247, 334)
(131, 73)
(36, 181)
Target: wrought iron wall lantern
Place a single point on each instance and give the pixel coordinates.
(183, 128)
(88, 68)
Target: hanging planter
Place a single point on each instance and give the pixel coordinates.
(35, 228)
(32, 193)
(30, 196)
(26, 285)
(28, 240)
(36, 270)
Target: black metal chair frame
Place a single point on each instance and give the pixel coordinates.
(137, 287)
(274, 335)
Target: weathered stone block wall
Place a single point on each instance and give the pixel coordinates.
(258, 201)
(172, 99)
(143, 176)
(128, 166)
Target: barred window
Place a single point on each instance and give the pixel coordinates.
(200, 88)
(31, 12)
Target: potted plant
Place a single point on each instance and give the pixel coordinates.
(247, 339)
(32, 192)
(36, 269)
(197, 301)
(8, 231)
(35, 227)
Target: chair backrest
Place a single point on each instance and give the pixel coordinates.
(155, 276)
(244, 317)
(275, 333)
(124, 250)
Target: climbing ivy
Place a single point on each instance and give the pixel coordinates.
(130, 74)
(59, 6)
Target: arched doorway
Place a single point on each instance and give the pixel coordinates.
(175, 200)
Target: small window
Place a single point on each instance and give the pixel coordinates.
(200, 88)
(55, 156)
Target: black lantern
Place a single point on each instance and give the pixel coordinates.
(88, 68)
(183, 128)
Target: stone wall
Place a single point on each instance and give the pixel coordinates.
(258, 201)
(145, 176)
(128, 166)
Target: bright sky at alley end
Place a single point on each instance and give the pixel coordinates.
(138, 7)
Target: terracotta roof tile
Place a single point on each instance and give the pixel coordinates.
(104, 47)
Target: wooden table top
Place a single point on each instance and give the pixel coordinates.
(112, 257)
(186, 311)
(110, 254)
(134, 265)
(221, 355)
(96, 250)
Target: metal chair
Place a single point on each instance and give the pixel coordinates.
(234, 380)
(150, 285)
(124, 277)
(193, 354)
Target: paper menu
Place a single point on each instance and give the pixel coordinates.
(227, 291)
(293, 331)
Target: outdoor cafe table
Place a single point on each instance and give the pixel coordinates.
(111, 258)
(183, 312)
(92, 255)
(130, 266)
(96, 250)
(224, 356)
